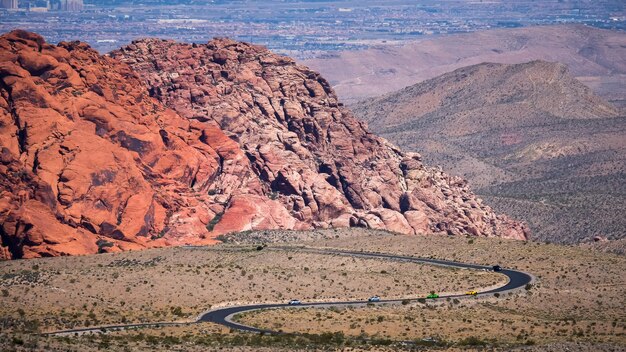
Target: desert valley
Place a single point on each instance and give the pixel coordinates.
(455, 192)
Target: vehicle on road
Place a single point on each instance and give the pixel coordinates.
(374, 299)
(497, 268)
(294, 302)
(471, 293)
(432, 295)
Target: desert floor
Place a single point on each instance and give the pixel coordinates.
(577, 303)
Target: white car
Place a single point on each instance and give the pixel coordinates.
(374, 299)
(294, 302)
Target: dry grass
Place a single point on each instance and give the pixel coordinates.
(178, 284)
(579, 296)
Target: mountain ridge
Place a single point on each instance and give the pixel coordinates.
(532, 140)
(593, 55)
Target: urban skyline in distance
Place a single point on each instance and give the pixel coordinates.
(43, 5)
(302, 29)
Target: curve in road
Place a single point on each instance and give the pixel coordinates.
(224, 316)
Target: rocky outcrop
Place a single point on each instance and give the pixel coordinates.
(92, 160)
(89, 161)
(307, 150)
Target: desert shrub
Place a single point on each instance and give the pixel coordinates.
(177, 311)
(17, 341)
(472, 341)
(381, 342)
(102, 245)
(161, 233)
(216, 219)
(222, 238)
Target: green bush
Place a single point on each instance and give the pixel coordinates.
(211, 225)
(17, 341)
(102, 244)
(177, 311)
(472, 341)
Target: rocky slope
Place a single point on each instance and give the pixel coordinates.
(90, 162)
(534, 141)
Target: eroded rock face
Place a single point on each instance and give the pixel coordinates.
(90, 162)
(306, 149)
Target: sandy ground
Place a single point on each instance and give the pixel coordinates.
(577, 303)
(178, 284)
(579, 297)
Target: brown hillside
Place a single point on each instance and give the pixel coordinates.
(594, 56)
(536, 142)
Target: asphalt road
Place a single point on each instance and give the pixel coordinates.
(224, 316)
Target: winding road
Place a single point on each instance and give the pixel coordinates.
(224, 316)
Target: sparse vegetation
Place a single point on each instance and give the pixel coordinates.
(564, 176)
(176, 284)
(216, 219)
(103, 244)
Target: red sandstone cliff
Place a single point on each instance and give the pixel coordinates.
(91, 162)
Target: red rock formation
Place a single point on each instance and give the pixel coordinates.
(90, 162)
(306, 149)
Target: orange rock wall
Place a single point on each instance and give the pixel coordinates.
(167, 144)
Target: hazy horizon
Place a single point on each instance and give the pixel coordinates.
(299, 28)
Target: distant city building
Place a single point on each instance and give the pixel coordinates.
(38, 5)
(8, 4)
(71, 5)
(33, 5)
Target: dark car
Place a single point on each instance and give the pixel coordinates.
(497, 268)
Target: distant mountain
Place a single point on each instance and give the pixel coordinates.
(594, 56)
(535, 142)
(93, 160)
